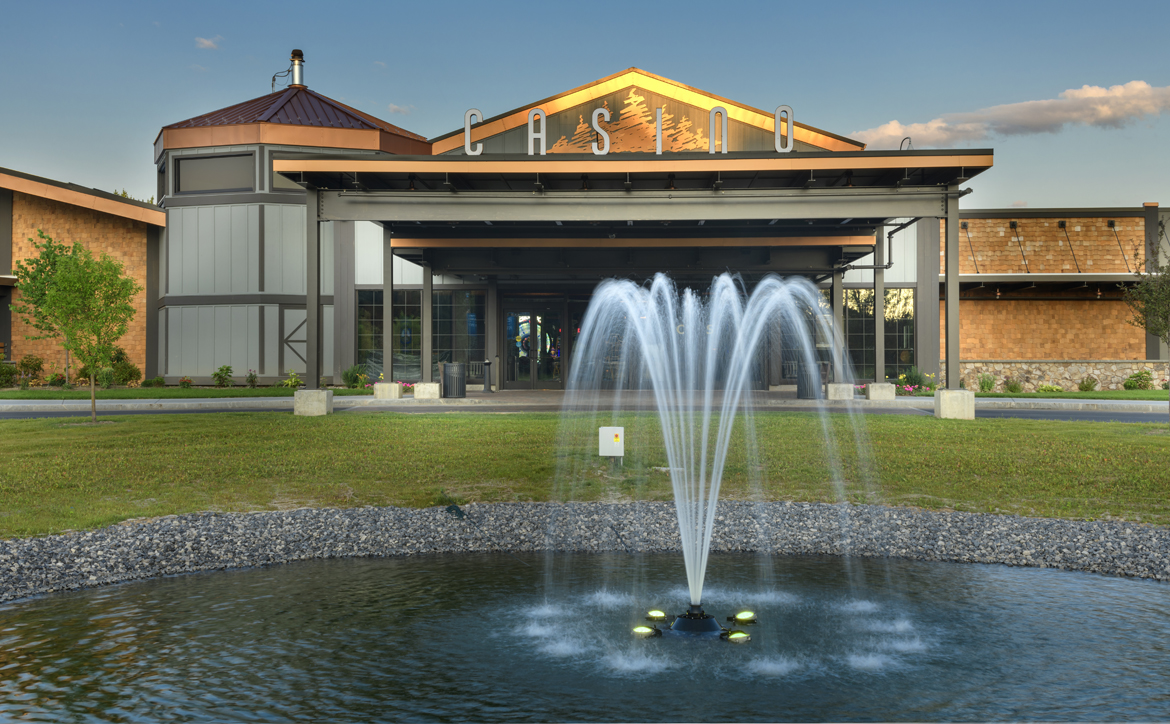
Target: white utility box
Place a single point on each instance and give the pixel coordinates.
(611, 442)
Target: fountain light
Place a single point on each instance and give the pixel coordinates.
(737, 637)
(655, 615)
(744, 618)
(645, 632)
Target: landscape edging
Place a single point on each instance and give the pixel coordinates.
(141, 549)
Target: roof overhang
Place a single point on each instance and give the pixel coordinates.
(636, 187)
(1034, 278)
(85, 198)
(286, 134)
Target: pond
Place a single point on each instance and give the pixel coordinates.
(548, 637)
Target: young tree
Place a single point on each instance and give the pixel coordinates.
(92, 304)
(34, 277)
(1149, 299)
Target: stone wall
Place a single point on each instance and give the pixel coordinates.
(1110, 374)
(123, 239)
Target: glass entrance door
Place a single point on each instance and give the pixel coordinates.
(533, 343)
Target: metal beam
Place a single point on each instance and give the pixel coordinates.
(312, 293)
(838, 203)
(1153, 343)
(952, 289)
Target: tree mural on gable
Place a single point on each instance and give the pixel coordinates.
(633, 130)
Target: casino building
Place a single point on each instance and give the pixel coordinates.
(304, 234)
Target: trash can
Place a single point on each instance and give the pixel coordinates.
(455, 379)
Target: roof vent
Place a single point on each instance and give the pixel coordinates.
(298, 68)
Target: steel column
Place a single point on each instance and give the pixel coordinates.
(387, 308)
(344, 299)
(312, 293)
(428, 315)
(954, 374)
(879, 306)
(837, 303)
(926, 314)
(492, 340)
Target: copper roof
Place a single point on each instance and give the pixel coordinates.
(296, 106)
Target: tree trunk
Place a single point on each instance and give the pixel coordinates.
(92, 400)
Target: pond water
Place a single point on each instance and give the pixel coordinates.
(486, 638)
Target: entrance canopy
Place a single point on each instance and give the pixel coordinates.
(800, 213)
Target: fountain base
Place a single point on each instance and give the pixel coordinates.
(695, 622)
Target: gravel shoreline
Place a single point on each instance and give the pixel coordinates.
(216, 541)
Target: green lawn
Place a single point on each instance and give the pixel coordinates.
(159, 393)
(56, 474)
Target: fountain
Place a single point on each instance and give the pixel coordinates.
(697, 358)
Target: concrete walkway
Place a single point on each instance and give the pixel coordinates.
(553, 400)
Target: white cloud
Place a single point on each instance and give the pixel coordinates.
(403, 110)
(208, 43)
(379, 63)
(1112, 107)
(196, 66)
(1019, 204)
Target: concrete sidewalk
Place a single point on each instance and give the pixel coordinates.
(553, 400)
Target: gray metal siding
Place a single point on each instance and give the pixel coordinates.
(202, 339)
(213, 250)
(284, 249)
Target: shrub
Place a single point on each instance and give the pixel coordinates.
(30, 367)
(912, 377)
(352, 377)
(8, 374)
(185, 382)
(1142, 380)
(322, 383)
(1012, 386)
(126, 373)
(56, 380)
(1089, 384)
(156, 382)
(1050, 388)
(223, 376)
(105, 377)
(986, 382)
(293, 381)
(251, 378)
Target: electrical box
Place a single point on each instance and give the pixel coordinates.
(611, 442)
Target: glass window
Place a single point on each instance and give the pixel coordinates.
(407, 343)
(899, 313)
(219, 173)
(859, 331)
(459, 330)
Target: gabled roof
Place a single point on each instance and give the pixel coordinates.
(295, 116)
(761, 119)
(82, 196)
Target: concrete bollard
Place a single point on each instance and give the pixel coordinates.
(313, 403)
(426, 391)
(954, 404)
(840, 391)
(387, 391)
(880, 391)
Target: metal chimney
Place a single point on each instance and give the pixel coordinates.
(298, 68)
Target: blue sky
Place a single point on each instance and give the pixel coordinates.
(87, 87)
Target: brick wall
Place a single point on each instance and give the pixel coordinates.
(1062, 329)
(123, 239)
(995, 246)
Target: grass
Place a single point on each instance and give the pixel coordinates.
(1155, 395)
(57, 474)
(160, 393)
